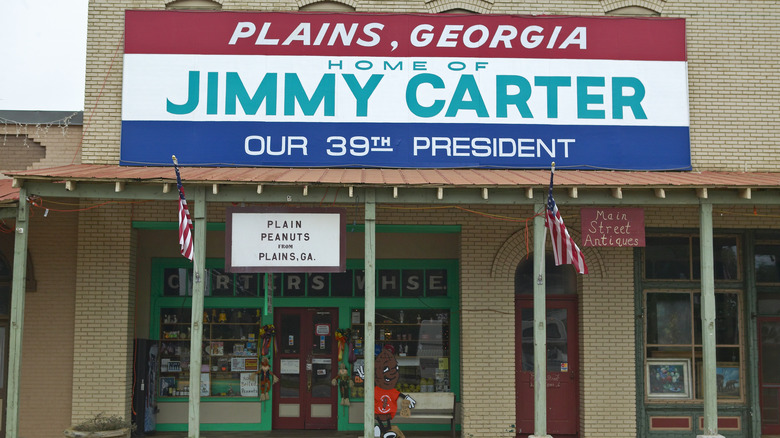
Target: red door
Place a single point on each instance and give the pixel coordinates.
(562, 366)
(305, 362)
(769, 373)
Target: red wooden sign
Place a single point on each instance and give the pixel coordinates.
(613, 227)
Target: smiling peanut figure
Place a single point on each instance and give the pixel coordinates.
(385, 394)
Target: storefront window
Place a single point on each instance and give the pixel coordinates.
(673, 340)
(559, 280)
(230, 350)
(420, 340)
(767, 263)
(234, 316)
(678, 258)
(672, 318)
(767, 266)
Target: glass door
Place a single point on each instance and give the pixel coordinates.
(305, 363)
(562, 366)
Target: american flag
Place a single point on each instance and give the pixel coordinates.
(185, 223)
(565, 251)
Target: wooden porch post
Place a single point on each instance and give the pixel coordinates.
(540, 328)
(196, 326)
(369, 312)
(17, 315)
(708, 324)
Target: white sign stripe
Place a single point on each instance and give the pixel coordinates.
(150, 81)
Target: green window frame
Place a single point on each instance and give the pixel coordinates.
(233, 293)
(670, 310)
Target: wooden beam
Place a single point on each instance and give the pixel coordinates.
(369, 313)
(412, 195)
(708, 322)
(196, 324)
(540, 328)
(16, 326)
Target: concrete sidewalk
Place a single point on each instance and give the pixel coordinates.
(294, 434)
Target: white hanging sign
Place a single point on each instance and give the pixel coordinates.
(274, 239)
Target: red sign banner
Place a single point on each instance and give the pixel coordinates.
(613, 227)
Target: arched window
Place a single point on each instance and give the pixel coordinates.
(633, 11)
(194, 5)
(458, 11)
(327, 6)
(560, 280)
(459, 7)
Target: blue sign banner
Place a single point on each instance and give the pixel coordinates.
(299, 144)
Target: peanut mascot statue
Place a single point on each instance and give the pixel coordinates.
(385, 395)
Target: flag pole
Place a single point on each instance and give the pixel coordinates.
(197, 254)
(565, 250)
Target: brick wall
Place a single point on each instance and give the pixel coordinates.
(24, 146)
(606, 341)
(105, 267)
(488, 325)
(47, 344)
(19, 152)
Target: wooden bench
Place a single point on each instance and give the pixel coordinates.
(433, 406)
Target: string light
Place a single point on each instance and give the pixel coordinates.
(37, 201)
(41, 128)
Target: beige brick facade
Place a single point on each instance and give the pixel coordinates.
(47, 355)
(104, 312)
(92, 298)
(36, 146)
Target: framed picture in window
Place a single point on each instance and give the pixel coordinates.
(668, 378)
(728, 379)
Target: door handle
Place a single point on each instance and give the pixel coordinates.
(308, 373)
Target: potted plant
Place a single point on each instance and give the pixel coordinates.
(101, 426)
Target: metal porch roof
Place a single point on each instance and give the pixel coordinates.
(489, 178)
(8, 194)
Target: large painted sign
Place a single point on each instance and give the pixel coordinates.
(407, 91)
